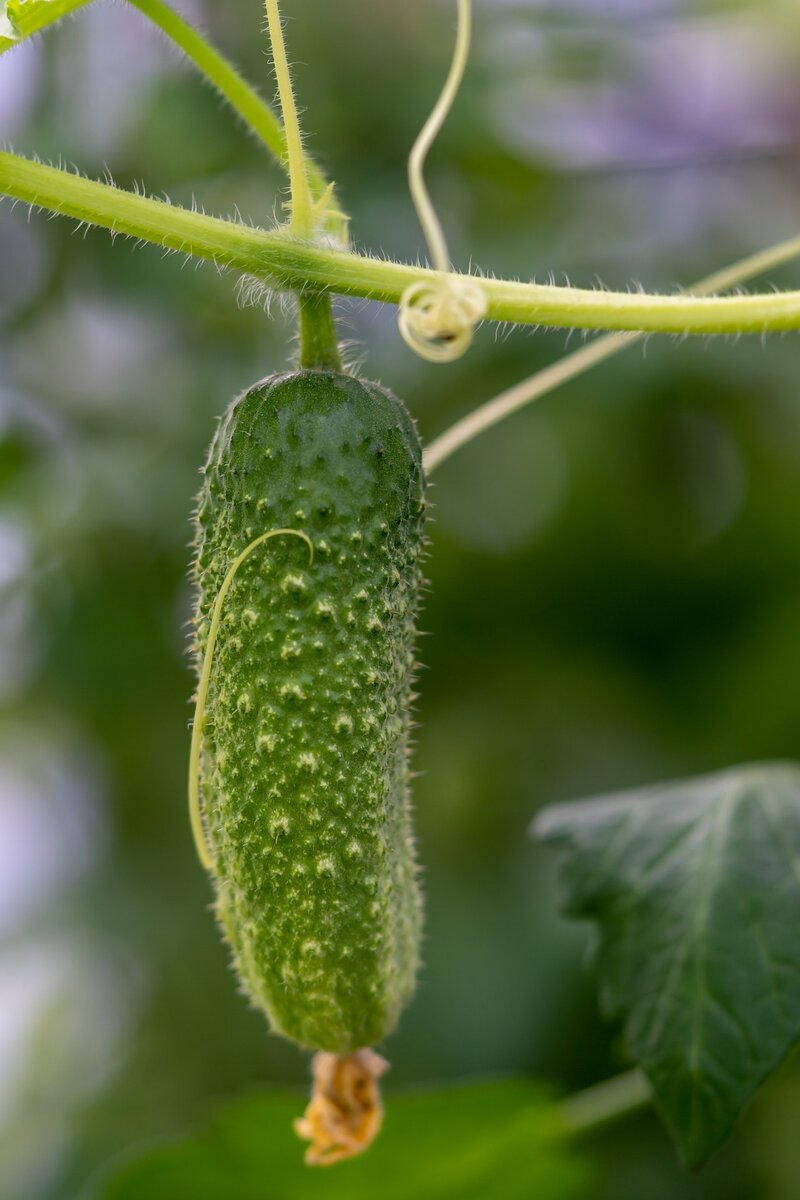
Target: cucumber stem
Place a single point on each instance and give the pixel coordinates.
(319, 349)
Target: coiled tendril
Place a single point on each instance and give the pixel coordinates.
(437, 317)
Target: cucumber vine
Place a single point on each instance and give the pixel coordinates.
(617, 850)
(283, 261)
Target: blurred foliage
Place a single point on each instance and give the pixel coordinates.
(615, 575)
(497, 1139)
(695, 890)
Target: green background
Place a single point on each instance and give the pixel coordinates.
(615, 575)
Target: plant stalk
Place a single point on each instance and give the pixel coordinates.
(287, 263)
(302, 220)
(319, 349)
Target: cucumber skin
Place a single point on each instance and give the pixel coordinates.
(304, 768)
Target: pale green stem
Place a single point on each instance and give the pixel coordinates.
(609, 1101)
(522, 394)
(288, 263)
(431, 225)
(572, 365)
(302, 222)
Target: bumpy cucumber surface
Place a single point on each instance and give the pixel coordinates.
(304, 762)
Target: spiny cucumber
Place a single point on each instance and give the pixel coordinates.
(303, 730)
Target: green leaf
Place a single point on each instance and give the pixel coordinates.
(21, 18)
(502, 1140)
(696, 890)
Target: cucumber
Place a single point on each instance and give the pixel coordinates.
(303, 731)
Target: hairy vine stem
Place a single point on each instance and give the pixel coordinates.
(302, 219)
(283, 261)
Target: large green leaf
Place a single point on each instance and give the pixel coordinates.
(21, 18)
(500, 1139)
(696, 890)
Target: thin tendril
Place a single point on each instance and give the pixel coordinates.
(572, 365)
(198, 726)
(437, 319)
(431, 225)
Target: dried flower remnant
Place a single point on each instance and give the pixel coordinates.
(345, 1114)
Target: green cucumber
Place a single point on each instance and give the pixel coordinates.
(303, 720)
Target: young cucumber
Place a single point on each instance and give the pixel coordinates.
(302, 729)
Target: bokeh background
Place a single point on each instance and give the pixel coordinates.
(615, 574)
